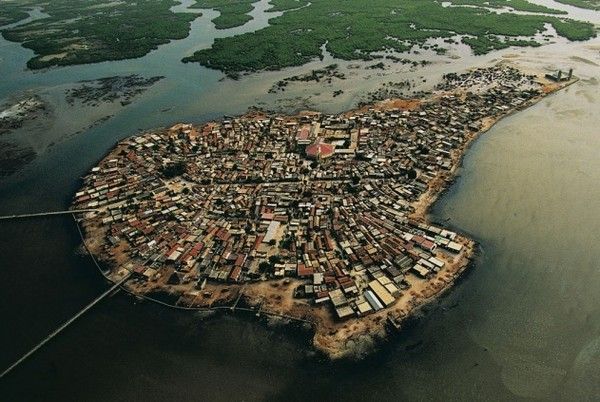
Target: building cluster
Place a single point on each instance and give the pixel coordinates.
(324, 198)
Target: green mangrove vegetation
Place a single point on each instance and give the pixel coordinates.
(11, 12)
(233, 13)
(354, 29)
(284, 5)
(519, 5)
(88, 31)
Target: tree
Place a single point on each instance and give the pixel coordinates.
(274, 259)
(412, 174)
(286, 243)
(173, 169)
(264, 267)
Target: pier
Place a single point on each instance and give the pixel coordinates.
(241, 293)
(51, 213)
(66, 324)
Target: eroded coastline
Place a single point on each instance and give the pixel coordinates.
(347, 319)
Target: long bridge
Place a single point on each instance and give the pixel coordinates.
(66, 324)
(52, 213)
(118, 285)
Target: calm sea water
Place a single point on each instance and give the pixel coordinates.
(523, 324)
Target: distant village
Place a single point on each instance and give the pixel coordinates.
(330, 200)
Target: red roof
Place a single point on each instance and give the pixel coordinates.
(320, 150)
(427, 244)
(267, 216)
(303, 133)
(240, 260)
(235, 273)
(280, 218)
(303, 270)
(259, 240)
(223, 234)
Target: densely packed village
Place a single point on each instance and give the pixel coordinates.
(328, 199)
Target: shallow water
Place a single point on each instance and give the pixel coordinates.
(524, 323)
(530, 192)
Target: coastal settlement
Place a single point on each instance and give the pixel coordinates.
(320, 217)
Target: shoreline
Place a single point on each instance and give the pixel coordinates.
(322, 319)
(450, 180)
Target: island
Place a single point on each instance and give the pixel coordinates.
(314, 218)
(393, 28)
(107, 30)
(102, 30)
